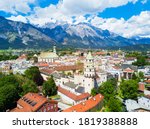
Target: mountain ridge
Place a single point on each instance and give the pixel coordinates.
(24, 35)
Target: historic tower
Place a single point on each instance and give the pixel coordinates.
(89, 73)
(89, 70)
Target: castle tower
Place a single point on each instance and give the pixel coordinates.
(89, 73)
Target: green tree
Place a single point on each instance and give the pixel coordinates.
(94, 91)
(29, 86)
(114, 105)
(108, 89)
(5, 57)
(141, 61)
(9, 79)
(134, 76)
(8, 97)
(33, 73)
(129, 89)
(141, 75)
(49, 87)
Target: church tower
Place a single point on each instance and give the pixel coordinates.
(89, 70)
(89, 73)
(54, 49)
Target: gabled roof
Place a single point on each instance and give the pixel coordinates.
(87, 105)
(47, 71)
(31, 102)
(128, 70)
(72, 95)
(125, 66)
(69, 67)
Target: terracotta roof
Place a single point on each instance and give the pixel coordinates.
(147, 81)
(128, 70)
(141, 87)
(116, 67)
(87, 105)
(55, 63)
(131, 58)
(72, 95)
(67, 68)
(99, 53)
(43, 64)
(31, 102)
(47, 71)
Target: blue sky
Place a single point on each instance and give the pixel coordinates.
(105, 14)
(126, 11)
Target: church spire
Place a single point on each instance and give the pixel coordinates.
(54, 49)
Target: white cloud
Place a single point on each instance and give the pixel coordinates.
(135, 26)
(144, 1)
(78, 7)
(14, 6)
(18, 18)
(65, 9)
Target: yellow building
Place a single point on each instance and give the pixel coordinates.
(48, 56)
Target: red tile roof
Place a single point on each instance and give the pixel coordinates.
(99, 53)
(47, 71)
(23, 56)
(67, 68)
(87, 105)
(116, 67)
(43, 65)
(128, 70)
(147, 81)
(72, 95)
(141, 87)
(35, 98)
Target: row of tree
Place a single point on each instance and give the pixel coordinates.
(13, 87)
(5, 57)
(113, 94)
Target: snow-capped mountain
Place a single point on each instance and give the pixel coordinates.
(84, 35)
(20, 35)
